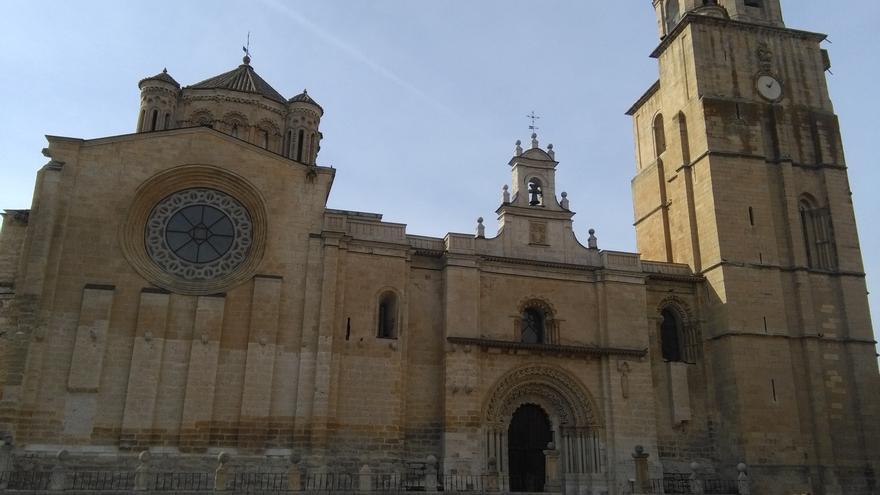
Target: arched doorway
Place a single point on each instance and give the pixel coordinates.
(528, 436)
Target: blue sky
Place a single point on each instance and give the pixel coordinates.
(423, 100)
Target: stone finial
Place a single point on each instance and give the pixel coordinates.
(551, 152)
(58, 476)
(142, 471)
(564, 203)
(294, 474)
(481, 229)
(592, 241)
(505, 194)
(535, 140)
(742, 480)
(221, 474)
(642, 480)
(518, 150)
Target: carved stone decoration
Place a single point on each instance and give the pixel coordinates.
(623, 368)
(551, 387)
(765, 57)
(537, 233)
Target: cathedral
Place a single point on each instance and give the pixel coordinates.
(183, 293)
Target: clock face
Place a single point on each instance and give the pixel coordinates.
(769, 87)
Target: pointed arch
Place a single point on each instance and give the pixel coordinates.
(679, 335)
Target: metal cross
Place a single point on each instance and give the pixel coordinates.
(247, 48)
(533, 118)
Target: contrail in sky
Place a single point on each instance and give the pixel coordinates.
(358, 55)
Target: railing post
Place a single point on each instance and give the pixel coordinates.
(742, 480)
(431, 474)
(551, 469)
(142, 472)
(294, 475)
(695, 481)
(221, 474)
(56, 481)
(365, 479)
(643, 480)
(492, 475)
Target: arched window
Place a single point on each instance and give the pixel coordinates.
(659, 136)
(153, 120)
(234, 130)
(300, 137)
(533, 326)
(264, 138)
(167, 123)
(678, 341)
(387, 317)
(536, 193)
(683, 138)
(818, 235)
(673, 15)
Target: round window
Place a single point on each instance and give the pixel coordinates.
(198, 234)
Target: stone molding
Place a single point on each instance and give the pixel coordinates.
(132, 232)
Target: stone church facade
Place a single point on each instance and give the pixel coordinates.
(185, 290)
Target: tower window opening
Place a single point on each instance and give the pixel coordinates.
(142, 120)
(536, 193)
(154, 120)
(288, 144)
(312, 151)
(659, 136)
(673, 15)
(818, 235)
(387, 316)
(751, 216)
(300, 137)
(533, 326)
(753, 3)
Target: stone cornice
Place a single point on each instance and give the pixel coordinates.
(556, 349)
(644, 98)
(544, 264)
(745, 26)
(835, 340)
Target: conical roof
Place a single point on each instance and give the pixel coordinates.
(163, 76)
(243, 79)
(305, 98)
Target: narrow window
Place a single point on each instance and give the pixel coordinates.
(234, 130)
(312, 151)
(659, 136)
(348, 329)
(753, 3)
(751, 216)
(773, 389)
(818, 236)
(265, 135)
(300, 137)
(533, 326)
(142, 120)
(684, 140)
(154, 120)
(167, 123)
(670, 336)
(387, 316)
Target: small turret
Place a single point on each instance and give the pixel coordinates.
(303, 138)
(158, 102)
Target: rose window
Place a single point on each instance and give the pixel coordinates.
(198, 234)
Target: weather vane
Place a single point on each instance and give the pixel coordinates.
(533, 118)
(247, 47)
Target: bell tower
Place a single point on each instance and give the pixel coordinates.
(741, 174)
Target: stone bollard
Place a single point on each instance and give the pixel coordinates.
(221, 474)
(552, 481)
(492, 475)
(642, 482)
(742, 480)
(365, 479)
(56, 482)
(431, 474)
(142, 472)
(695, 481)
(294, 475)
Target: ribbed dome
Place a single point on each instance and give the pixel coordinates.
(305, 98)
(162, 76)
(243, 79)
